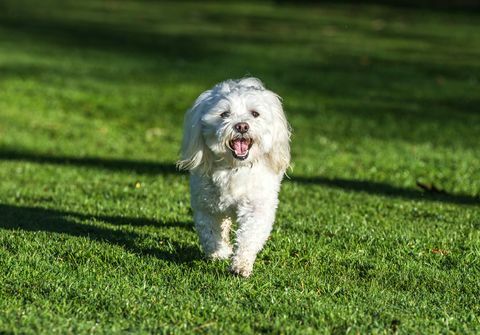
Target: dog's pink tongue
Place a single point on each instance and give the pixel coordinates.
(240, 146)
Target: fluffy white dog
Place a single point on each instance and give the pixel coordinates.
(236, 147)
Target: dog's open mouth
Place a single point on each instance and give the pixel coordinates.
(240, 147)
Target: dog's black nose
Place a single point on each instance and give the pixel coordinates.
(242, 127)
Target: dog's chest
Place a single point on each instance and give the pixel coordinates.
(227, 189)
(233, 183)
(233, 186)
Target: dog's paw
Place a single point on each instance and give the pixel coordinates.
(242, 269)
(223, 252)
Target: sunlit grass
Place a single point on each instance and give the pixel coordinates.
(95, 229)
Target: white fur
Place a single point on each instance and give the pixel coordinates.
(223, 187)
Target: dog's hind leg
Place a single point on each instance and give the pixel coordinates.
(214, 234)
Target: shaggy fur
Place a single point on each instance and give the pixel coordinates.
(236, 147)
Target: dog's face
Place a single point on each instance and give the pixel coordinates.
(238, 126)
(237, 122)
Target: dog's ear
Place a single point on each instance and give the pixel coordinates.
(279, 156)
(194, 152)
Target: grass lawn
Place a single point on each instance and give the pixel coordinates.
(96, 234)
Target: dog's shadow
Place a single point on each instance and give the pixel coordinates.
(70, 223)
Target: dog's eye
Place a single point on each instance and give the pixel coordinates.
(255, 114)
(224, 115)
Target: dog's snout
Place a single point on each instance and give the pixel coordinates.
(242, 127)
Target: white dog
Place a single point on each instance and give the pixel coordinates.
(236, 147)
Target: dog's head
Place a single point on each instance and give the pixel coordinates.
(237, 122)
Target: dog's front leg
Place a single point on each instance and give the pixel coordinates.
(214, 232)
(254, 226)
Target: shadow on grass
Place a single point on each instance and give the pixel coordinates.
(466, 6)
(146, 167)
(121, 38)
(383, 189)
(54, 221)
(143, 167)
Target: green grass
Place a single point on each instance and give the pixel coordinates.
(96, 235)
